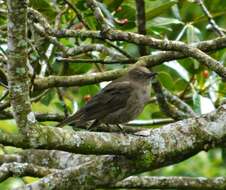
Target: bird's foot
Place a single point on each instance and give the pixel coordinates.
(93, 125)
(121, 129)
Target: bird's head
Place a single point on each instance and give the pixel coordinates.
(141, 74)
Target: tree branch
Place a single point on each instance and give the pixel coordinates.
(193, 134)
(215, 27)
(21, 169)
(152, 42)
(150, 61)
(158, 149)
(177, 182)
(176, 101)
(18, 80)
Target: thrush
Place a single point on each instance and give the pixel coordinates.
(119, 102)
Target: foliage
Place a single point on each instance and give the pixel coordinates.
(198, 86)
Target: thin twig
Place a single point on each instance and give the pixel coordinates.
(212, 22)
(74, 60)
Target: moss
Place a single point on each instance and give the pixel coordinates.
(89, 180)
(145, 159)
(115, 170)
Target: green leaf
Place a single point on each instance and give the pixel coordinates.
(164, 21)
(161, 25)
(193, 34)
(179, 69)
(176, 11)
(149, 110)
(158, 7)
(180, 85)
(80, 4)
(48, 97)
(196, 102)
(166, 80)
(202, 104)
(69, 42)
(44, 7)
(131, 49)
(127, 12)
(92, 22)
(60, 106)
(112, 4)
(11, 150)
(159, 31)
(28, 179)
(79, 68)
(89, 90)
(204, 18)
(2, 151)
(8, 127)
(11, 183)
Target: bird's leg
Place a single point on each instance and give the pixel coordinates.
(121, 128)
(94, 124)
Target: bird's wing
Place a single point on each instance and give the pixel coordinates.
(111, 98)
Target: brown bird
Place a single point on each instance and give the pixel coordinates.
(119, 102)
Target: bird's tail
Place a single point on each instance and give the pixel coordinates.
(76, 119)
(68, 120)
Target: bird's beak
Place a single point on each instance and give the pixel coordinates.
(152, 75)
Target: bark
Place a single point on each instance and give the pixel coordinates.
(177, 182)
(149, 61)
(106, 157)
(162, 146)
(18, 80)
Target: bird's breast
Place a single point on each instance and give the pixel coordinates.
(145, 95)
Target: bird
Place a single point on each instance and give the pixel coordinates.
(119, 102)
